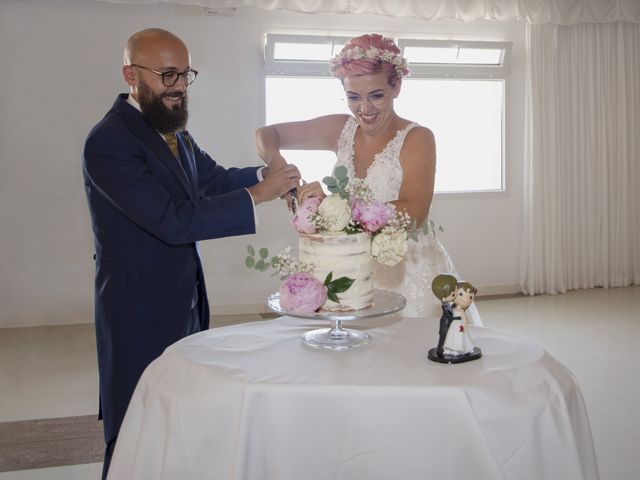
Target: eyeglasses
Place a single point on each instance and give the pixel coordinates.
(376, 98)
(170, 78)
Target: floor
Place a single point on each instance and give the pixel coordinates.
(51, 372)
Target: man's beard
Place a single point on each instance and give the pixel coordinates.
(160, 117)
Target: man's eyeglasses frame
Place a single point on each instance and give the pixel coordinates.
(189, 75)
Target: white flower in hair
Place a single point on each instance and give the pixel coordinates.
(387, 57)
(373, 52)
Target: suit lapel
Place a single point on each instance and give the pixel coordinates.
(152, 139)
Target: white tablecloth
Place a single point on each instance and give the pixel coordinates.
(251, 402)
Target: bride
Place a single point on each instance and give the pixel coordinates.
(395, 157)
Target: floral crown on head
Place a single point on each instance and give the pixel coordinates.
(352, 53)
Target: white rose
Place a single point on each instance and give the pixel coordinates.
(336, 213)
(389, 248)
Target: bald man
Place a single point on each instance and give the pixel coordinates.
(153, 194)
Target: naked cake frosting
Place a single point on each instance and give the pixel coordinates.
(342, 255)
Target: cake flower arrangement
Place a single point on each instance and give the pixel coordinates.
(350, 209)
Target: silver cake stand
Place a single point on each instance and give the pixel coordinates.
(337, 337)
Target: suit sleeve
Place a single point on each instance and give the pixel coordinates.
(119, 172)
(214, 179)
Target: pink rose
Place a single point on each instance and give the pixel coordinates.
(302, 219)
(372, 216)
(302, 293)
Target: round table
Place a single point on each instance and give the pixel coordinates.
(252, 402)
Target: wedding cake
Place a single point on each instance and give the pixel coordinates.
(341, 255)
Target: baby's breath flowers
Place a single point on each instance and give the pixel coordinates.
(284, 263)
(357, 189)
(287, 264)
(401, 222)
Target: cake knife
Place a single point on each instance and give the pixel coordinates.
(294, 200)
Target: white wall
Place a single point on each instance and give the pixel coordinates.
(61, 72)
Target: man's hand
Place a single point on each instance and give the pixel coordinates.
(275, 184)
(276, 162)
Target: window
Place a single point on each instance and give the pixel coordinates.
(456, 89)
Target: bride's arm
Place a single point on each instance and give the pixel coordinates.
(418, 162)
(321, 133)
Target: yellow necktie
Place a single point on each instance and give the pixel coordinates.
(172, 143)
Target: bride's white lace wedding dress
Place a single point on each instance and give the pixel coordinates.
(425, 258)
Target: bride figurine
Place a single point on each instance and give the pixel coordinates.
(454, 343)
(395, 157)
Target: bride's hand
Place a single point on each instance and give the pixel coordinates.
(307, 190)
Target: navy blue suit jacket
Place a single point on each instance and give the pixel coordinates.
(147, 213)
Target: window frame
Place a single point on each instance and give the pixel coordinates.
(459, 70)
(299, 68)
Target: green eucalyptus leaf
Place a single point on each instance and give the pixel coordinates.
(260, 265)
(340, 172)
(251, 250)
(329, 181)
(249, 262)
(264, 253)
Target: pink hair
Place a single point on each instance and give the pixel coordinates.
(346, 66)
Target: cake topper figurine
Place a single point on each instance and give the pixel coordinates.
(454, 343)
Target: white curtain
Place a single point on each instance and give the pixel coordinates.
(563, 12)
(582, 179)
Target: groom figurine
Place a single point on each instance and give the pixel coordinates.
(153, 194)
(444, 287)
